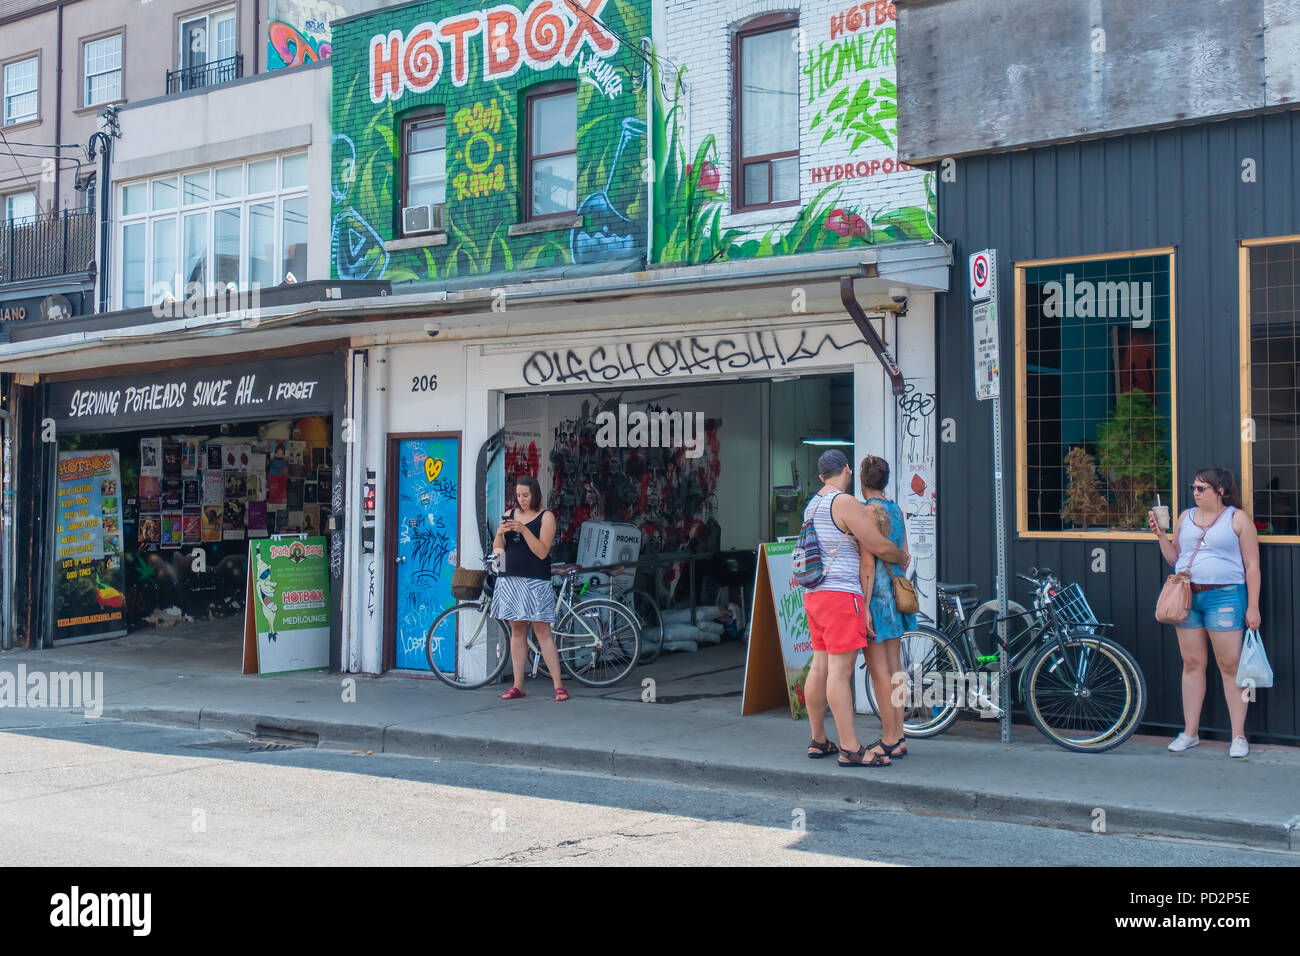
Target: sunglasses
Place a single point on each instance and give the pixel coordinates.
(1195, 488)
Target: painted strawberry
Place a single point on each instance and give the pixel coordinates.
(846, 224)
(710, 178)
(918, 485)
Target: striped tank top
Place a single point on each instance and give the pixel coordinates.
(842, 569)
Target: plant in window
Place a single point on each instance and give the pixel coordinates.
(1131, 453)
(1085, 505)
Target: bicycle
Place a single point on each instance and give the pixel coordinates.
(598, 641)
(1084, 691)
(641, 603)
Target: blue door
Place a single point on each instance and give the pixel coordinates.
(428, 536)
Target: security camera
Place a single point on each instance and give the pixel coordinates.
(431, 330)
(898, 295)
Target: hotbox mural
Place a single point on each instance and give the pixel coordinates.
(854, 189)
(477, 66)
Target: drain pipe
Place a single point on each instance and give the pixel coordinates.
(869, 333)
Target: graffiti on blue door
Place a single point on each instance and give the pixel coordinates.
(428, 528)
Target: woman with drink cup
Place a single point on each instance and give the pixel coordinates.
(1217, 544)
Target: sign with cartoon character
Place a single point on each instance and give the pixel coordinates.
(89, 578)
(287, 621)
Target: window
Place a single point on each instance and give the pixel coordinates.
(1094, 393)
(1271, 386)
(424, 159)
(20, 91)
(103, 70)
(206, 38)
(766, 141)
(212, 227)
(552, 161)
(20, 207)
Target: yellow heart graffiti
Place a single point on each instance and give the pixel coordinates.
(432, 468)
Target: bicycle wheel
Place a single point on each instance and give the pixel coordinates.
(651, 621)
(933, 685)
(1096, 710)
(466, 647)
(599, 642)
(983, 625)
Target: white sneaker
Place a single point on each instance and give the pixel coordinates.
(1183, 742)
(1239, 747)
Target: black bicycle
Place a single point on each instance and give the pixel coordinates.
(1083, 690)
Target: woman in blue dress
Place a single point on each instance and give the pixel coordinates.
(882, 653)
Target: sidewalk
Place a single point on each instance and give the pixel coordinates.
(694, 734)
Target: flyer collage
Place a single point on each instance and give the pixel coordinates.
(194, 490)
(89, 575)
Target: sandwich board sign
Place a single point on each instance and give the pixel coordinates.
(780, 645)
(287, 609)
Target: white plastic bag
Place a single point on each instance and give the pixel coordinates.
(1253, 669)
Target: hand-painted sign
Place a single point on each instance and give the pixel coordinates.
(778, 623)
(289, 604)
(89, 577)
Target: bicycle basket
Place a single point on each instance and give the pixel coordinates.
(1072, 607)
(467, 584)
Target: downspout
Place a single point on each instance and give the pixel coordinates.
(58, 117)
(870, 335)
(257, 29)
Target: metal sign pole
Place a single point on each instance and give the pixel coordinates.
(1004, 685)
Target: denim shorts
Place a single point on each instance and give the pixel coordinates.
(1219, 609)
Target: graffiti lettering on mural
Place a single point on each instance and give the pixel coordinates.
(859, 170)
(548, 33)
(863, 15)
(479, 150)
(858, 111)
(286, 46)
(600, 74)
(684, 356)
(653, 429)
(916, 421)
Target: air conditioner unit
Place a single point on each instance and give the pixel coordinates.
(427, 217)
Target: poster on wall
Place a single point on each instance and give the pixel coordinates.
(89, 577)
(780, 646)
(287, 621)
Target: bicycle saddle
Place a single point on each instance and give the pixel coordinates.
(957, 588)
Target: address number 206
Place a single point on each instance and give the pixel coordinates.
(424, 383)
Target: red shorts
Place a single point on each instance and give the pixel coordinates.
(837, 621)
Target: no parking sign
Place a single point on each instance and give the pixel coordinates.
(983, 275)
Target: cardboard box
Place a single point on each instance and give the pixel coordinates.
(608, 542)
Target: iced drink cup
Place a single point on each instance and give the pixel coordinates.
(1162, 516)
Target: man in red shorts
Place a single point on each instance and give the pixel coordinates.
(838, 615)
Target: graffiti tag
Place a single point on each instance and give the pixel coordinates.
(600, 74)
(683, 356)
(292, 48)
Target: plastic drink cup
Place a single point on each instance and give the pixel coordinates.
(1162, 516)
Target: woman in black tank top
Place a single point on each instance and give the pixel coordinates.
(523, 592)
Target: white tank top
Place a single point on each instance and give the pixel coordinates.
(1219, 560)
(842, 570)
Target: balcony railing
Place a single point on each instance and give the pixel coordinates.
(206, 74)
(43, 246)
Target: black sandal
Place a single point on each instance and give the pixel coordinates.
(892, 749)
(824, 749)
(858, 758)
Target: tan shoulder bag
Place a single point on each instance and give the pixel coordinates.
(1176, 596)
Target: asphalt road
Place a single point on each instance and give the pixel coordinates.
(101, 792)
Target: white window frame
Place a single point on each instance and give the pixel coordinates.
(211, 207)
(9, 206)
(210, 20)
(10, 120)
(87, 75)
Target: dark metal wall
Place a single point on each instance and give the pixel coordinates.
(1178, 187)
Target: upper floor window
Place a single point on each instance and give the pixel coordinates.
(207, 48)
(20, 207)
(766, 130)
(20, 91)
(551, 167)
(424, 161)
(103, 70)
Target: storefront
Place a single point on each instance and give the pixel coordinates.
(159, 479)
(704, 442)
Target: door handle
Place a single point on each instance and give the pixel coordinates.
(401, 560)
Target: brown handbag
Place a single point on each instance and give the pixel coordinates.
(1176, 596)
(904, 595)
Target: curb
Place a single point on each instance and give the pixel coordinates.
(884, 794)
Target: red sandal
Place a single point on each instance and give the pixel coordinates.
(514, 693)
(561, 694)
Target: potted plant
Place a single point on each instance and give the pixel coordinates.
(1133, 458)
(1085, 505)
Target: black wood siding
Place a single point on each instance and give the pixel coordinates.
(1177, 187)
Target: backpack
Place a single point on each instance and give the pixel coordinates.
(809, 572)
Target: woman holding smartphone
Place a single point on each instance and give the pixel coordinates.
(1217, 540)
(523, 593)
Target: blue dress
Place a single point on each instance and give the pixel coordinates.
(888, 621)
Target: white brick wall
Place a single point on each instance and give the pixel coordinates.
(698, 35)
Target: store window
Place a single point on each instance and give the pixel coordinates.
(244, 224)
(552, 160)
(1271, 387)
(103, 70)
(20, 91)
(765, 62)
(424, 168)
(1095, 393)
